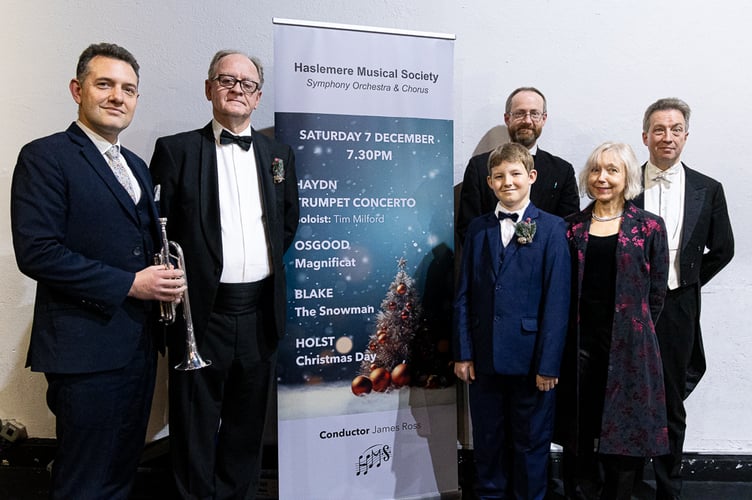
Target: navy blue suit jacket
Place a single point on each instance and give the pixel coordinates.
(79, 235)
(511, 316)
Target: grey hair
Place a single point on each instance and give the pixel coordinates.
(224, 53)
(625, 153)
(666, 104)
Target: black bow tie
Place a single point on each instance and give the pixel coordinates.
(504, 215)
(244, 141)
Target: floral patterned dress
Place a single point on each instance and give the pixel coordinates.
(633, 418)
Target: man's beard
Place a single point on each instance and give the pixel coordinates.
(526, 136)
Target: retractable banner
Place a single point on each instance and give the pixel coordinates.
(367, 406)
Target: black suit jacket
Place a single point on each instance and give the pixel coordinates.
(80, 236)
(707, 245)
(554, 191)
(185, 167)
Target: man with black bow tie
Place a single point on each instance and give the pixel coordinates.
(554, 191)
(230, 195)
(701, 243)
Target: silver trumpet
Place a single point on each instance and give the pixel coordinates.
(168, 310)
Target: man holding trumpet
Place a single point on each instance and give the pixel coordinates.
(85, 228)
(230, 196)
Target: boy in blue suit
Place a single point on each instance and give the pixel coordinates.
(511, 313)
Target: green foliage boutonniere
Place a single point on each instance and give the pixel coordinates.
(524, 231)
(278, 170)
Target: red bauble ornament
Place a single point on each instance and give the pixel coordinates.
(402, 289)
(380, 379)
(372, 346)
(401, 375)
(382, 338)
(361, 385)
(392, 306)
(405, 314)
(409, 306)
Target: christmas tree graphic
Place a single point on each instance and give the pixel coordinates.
(401, 350)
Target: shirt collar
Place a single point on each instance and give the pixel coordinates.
(520, 212)
(100, 142)
(218, 127)
(651, 171)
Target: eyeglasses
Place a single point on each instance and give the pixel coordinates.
(535, 116)
(229, 82)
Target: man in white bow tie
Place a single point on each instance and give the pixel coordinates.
(701, 243)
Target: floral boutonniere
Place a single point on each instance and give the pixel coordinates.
(278, 170)
(525, 230)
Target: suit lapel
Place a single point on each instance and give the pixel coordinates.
(694, 198)
(493, 244)
(263, 168)
(142, 176)
(544, 171)
(209, 193)
(144, 181)
(102, 169)
(639, 200)
(531, 212)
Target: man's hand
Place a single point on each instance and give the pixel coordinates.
(157, 283)
(544, 383)
(465, 371)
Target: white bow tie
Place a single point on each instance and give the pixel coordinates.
(665, 176)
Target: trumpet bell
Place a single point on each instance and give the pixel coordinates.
(192, 361)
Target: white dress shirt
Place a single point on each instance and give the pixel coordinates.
(103, 145)
(245, 253)
(508, 226)
(664, 195)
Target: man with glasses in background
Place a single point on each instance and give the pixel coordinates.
(231, 199)
(554, 191)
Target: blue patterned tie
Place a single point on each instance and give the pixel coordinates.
(116, 164)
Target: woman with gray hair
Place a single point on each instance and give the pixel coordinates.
(611, 400)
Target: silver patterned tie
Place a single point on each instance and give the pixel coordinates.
(116, 164)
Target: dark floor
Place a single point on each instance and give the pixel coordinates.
(692, 490)
(707, 477)
(28, 484)
(23, 475)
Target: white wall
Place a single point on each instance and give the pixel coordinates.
(600, 63)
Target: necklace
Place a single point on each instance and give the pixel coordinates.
(606, 219)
